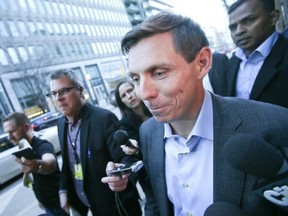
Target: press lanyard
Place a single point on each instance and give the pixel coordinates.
(73, 144)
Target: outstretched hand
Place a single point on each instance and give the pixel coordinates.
(27, 166)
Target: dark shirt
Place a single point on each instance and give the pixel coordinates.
(131, 126)
(46, 187)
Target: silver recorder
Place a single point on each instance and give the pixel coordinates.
(127, 169)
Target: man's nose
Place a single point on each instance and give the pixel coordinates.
(240, 29)
(147, 89)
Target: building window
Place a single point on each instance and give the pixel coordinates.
(3, 5)
(13, 55)
(49, 28)
(55, 8)
(88, 30)
(62, 9)
(23, 28)
(22, 4)
(69, 10)
(58, 50)
(70, 28)
(74, 8)
(94, 48)
(95, 75)
(31, 5)
(56, 28)
(13, 5)
(48, 7)
(3, 31)
(40, 7)
(32, 27)
(76, 28)
(13, 30)
(40, 27)
(28, 90)
(23, 54)
(63, 28)
(3, 59)
(81, 12)
(37, 52)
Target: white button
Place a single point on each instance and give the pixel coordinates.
(185, 185)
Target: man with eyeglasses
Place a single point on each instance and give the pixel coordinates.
(86, 139)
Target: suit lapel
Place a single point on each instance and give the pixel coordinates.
(228, 183)
(268, 69)
(232, 72)
(61, 133)
(157, 167)
(84, 143)
(84, 131)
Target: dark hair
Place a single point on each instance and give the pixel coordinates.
(70, 74)
(268, 5)
(19, 118)
(123, 108)
(188, 37)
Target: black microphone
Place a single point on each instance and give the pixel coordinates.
(221, 208)
(253, 155)
(121, 137)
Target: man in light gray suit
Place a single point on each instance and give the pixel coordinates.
(183, 146)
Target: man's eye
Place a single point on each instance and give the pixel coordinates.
(248, 21)
(64, 91)
(232, 27)
(159, 74)
(135, 79)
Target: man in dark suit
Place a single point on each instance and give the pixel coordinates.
(183, 145)
(258, 69)
(219, 66)
(86, 138)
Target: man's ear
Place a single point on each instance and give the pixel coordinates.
(274, 17)
(81, 92)
(204, 61)
(26, 127)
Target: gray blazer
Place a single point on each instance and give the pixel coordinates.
(231, 116)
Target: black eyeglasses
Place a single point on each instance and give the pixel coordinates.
(60, 92)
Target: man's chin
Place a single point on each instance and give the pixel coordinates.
(163, 119)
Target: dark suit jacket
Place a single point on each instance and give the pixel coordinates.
(271, 83)
(97, 148)
(217, 71)
(231, 116)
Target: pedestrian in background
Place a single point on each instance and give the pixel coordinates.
(258, 69)
(44, 169)
(133, 110)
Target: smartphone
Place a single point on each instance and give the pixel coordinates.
(26, 152)
(127, 169)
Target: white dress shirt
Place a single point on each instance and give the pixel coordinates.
(189, 165)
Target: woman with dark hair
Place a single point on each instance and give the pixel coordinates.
(133, 111)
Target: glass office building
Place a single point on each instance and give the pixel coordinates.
(40, 36)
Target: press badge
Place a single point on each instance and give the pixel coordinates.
(78, 172)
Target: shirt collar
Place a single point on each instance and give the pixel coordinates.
(264, 49)
(204, 123)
